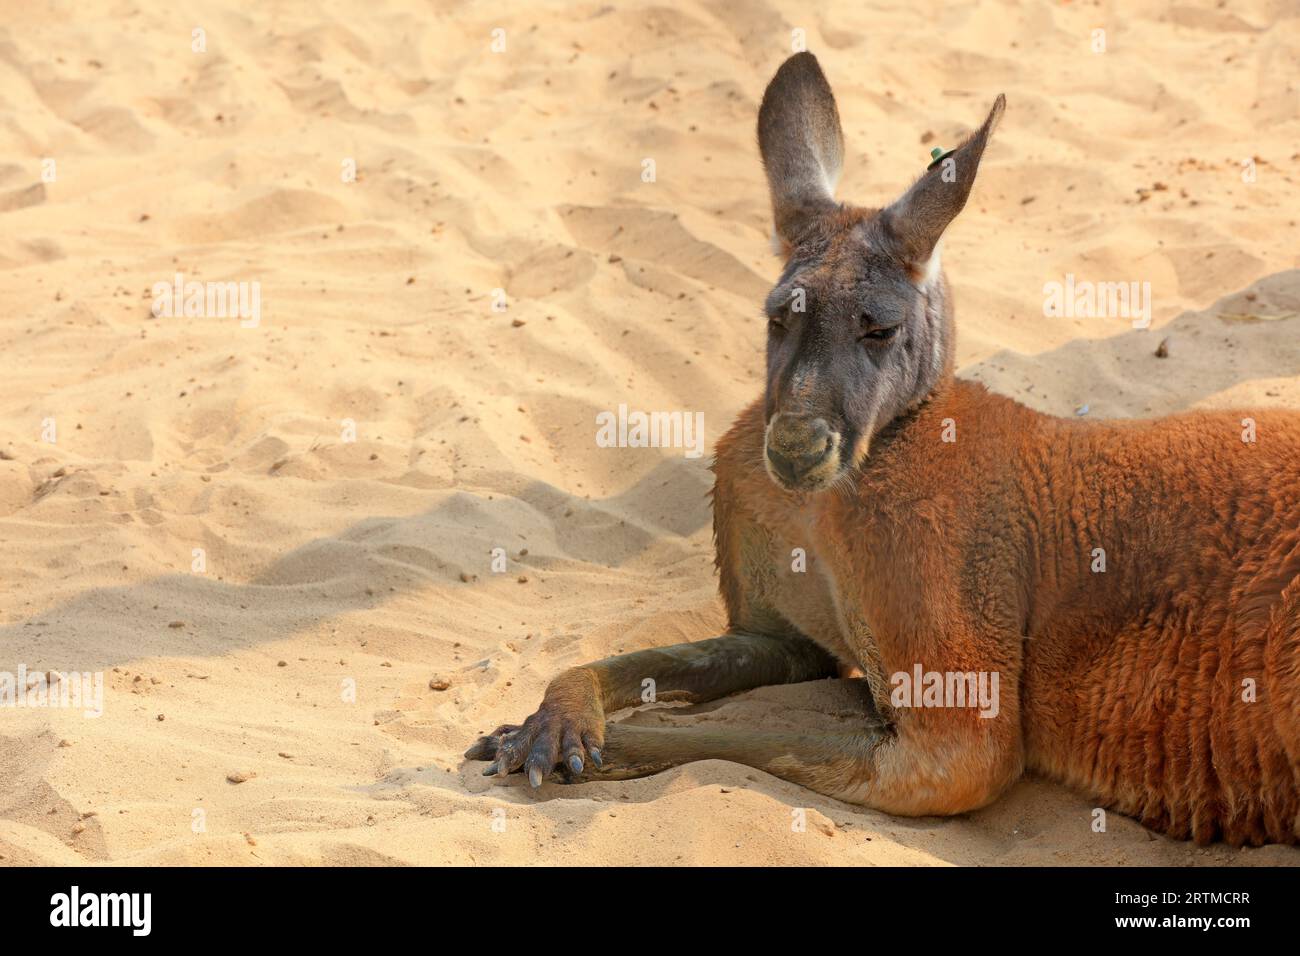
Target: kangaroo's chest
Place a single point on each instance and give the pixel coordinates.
(808, 577)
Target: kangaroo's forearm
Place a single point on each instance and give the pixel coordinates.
(707, 670)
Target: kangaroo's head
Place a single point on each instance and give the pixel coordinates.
(860, 325)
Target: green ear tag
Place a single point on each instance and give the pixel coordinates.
(938, 155)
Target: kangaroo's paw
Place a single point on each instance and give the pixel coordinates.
(569, 726)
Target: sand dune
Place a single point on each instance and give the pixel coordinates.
(335, 578)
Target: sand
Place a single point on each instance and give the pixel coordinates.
(335, 578)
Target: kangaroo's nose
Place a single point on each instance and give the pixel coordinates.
(796, 445)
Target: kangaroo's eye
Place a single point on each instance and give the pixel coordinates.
(873, 331)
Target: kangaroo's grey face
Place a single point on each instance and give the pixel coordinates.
(855, 337)
(859, 326)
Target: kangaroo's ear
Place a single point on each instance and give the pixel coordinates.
(916, 221)
(802, 146)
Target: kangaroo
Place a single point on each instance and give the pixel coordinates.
(1132, 588)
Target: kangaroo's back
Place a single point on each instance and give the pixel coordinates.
(1162, 668)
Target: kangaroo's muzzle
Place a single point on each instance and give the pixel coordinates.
(801, 452)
